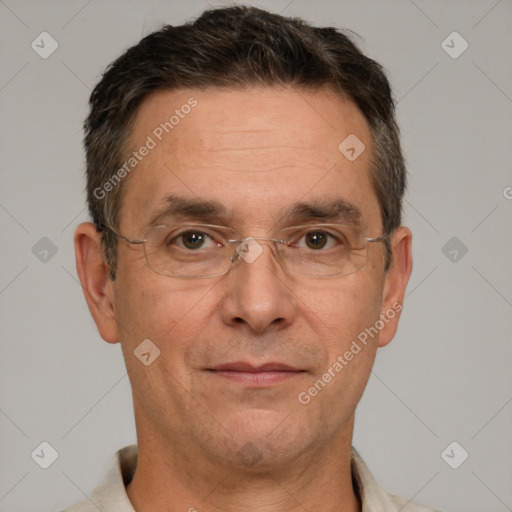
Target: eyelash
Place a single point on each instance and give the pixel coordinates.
(180, 236)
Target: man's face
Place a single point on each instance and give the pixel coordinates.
(259, 153)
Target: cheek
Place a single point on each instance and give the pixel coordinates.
(170, 312)
(172, 318)
(340, 309)
(341, 314)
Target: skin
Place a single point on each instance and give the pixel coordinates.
(207, 442)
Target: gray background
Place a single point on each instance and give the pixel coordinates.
(446, 376)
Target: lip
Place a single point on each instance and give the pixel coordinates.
(255, 376)
(241, 366)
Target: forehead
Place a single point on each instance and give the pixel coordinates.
(256, 151)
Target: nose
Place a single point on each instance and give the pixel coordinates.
(258, 294)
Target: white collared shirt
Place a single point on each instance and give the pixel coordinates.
(110, 495)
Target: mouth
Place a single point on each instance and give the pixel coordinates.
(247, 374)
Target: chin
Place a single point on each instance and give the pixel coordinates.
(263, 440)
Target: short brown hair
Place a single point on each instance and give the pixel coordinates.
(237, 47)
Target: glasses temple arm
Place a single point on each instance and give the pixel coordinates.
(104, 227)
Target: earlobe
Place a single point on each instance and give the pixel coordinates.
(395, 283)
(97, 286)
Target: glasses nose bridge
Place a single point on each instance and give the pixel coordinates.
(250, 248)
(266, 239)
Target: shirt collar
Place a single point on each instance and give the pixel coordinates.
(371, 495)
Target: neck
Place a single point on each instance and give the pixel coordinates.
(168, 480)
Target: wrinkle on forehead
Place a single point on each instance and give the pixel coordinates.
(237, 117)
(256, 149)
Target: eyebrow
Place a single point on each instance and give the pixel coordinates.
(185, 208)
(337, 210)
(179, 208)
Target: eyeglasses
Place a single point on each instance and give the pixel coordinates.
(206, 250)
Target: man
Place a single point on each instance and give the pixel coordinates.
(244, 178)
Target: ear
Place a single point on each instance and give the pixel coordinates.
(97, 286)
(395, 283)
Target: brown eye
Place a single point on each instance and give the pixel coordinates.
(193, 239)
(316, 239)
